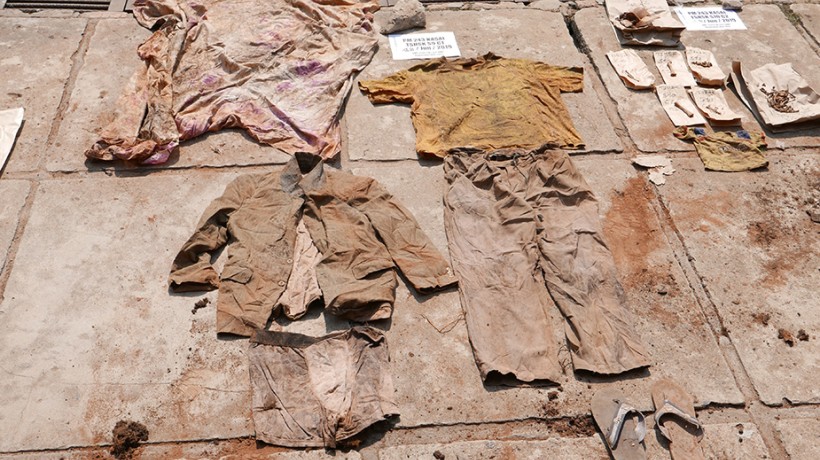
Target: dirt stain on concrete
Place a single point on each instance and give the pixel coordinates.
(631, 227)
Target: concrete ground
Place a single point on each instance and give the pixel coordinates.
(714, 264)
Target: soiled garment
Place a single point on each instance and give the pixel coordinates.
(485, 103)
(278, 69)
(524, 232)
(361, 232)
(724, 151)
(312, 392)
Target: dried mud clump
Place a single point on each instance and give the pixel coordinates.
(201, 303)
(786, 336)
(126, 437)
(762, 318)
(802, 335)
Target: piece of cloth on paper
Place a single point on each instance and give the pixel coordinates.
(631, 69)
(313, 392)
(725, 151)
(778, 96)
(360, 230)
(279, 70)
(486, 103)
(644, 22)
(524, 232)
(10, 122)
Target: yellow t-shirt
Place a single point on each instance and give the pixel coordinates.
(487, 102)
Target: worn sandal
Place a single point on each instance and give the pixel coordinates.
(675, 419)
(623, 426)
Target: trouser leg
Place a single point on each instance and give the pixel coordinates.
(491, 235)
(579, 269)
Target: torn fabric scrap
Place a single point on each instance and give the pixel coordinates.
(724, 151)
(282, 80)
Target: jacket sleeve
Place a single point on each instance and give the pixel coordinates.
(408, 245)
(192, 269)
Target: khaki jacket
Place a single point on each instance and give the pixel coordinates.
(361, 232)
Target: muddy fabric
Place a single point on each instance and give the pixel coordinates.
(312, 392)
(357, 226)
(523, 231)
(724, 151)
(644, 22)
(778, 96)
(486, 103)
(282, 77)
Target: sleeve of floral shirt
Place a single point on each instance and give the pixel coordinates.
(412, 251)
(192, 269)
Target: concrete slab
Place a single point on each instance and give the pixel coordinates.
(587, 448)
(223, 450)
(93, 336)
(36, 62)
(757, 252)
(109, 63)
(801, 437)
(809, 15)
(433, 367)
(769, 38)
(528, 34)
(14, 193)
(720, 441)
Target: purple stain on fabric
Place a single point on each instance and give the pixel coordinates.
(310, 68)
(743, 134)
(209, 79)
(284, 86)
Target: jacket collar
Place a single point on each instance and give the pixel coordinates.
(304, 170)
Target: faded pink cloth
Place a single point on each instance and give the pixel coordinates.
(278, 69)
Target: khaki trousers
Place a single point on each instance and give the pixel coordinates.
(524, 235)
